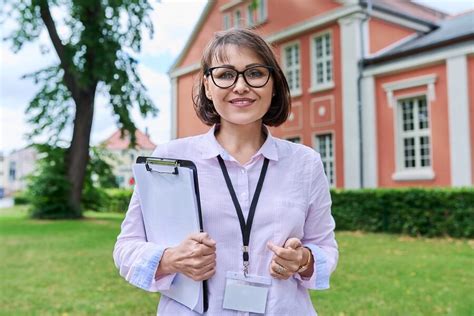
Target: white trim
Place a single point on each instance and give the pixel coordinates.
(399, 21)
(392, 46)
(428, 80)
(350, 54)
(459, 130)
(174, 108)
(322, 87)
(185, 70)
(366, 36)
(296, 105)
(422, 60)
(313, 23)
(369, 133)
(347, 2)
(313, 103)
(294, 92)
(326, 84)
(413, 175)
(229, 5)
(331, 132)
(226, 21)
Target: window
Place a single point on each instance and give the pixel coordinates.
(256, 12)
(226, 21)
(414, 134)
(292, 67)
(295, 139)
(324, 146)
(237, 18)
(12, 171)
(321, 68)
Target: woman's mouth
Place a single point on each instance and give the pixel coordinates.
(242, 102)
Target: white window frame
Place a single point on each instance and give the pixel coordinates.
(325, 84)
(299, 136)
(427, 82)
(332, 181)
(295, 92)
(226, 23)
(237, 19)
(260, 15)
(418, 172)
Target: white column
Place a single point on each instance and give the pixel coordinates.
(458, 110)
(174, 108)
(369, 132)
(350, 54)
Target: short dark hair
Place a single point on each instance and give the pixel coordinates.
(280, 106)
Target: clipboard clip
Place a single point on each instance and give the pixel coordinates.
(162, 162)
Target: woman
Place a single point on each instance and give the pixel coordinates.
(247, 178)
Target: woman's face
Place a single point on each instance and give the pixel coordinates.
(240, 104)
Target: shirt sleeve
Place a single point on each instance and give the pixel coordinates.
(135, 257)
(319, 231)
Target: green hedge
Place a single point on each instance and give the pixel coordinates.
(20, 198)
(412, 211)
(117, 200)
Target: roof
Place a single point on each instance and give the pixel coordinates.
(407, 9)
(116, 142)
(456, 29)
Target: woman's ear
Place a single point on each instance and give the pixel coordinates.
(206, 88)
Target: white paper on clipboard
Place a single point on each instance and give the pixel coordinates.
(170, 214)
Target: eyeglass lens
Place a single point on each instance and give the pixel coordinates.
(255, 77)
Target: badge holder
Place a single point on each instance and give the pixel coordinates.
(246, 293)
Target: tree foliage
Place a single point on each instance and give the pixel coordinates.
(100, 38)
(48, 189)
(95, 41)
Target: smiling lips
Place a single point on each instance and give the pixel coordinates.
(242, 102)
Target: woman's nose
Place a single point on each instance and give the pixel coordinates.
(240, 85)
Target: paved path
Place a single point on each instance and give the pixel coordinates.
(6, 202)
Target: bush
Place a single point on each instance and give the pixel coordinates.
(117, 200)
(412, 211)
(20, 198)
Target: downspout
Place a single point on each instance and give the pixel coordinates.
(368, 11)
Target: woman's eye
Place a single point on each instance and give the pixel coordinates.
(226, 75)
(254, 73)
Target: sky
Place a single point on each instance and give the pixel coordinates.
(173, 23)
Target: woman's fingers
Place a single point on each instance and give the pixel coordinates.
(278, 271)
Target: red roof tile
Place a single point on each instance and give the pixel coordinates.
(115, 142)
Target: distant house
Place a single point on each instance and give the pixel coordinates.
(379, 88)
(15, 167)
(124, 156)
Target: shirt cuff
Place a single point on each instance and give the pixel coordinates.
(320, 278)
(143, 272)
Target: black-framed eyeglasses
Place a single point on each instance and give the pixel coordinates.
(225, 76)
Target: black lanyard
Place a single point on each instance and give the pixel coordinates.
(245, 227)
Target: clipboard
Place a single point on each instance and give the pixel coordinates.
(171, 208)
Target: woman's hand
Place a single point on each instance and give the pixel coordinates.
(287, 259)
(195, 257)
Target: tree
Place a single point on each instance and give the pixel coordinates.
(95, 56)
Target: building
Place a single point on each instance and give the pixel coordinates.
(384, 90)
(124, 156)
(16, 166)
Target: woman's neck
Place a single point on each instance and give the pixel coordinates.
(241, 141)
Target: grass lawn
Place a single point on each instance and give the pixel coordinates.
(66, 268)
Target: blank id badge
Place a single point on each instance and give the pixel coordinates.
(246, 294)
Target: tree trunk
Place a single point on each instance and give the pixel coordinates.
(78, 152)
